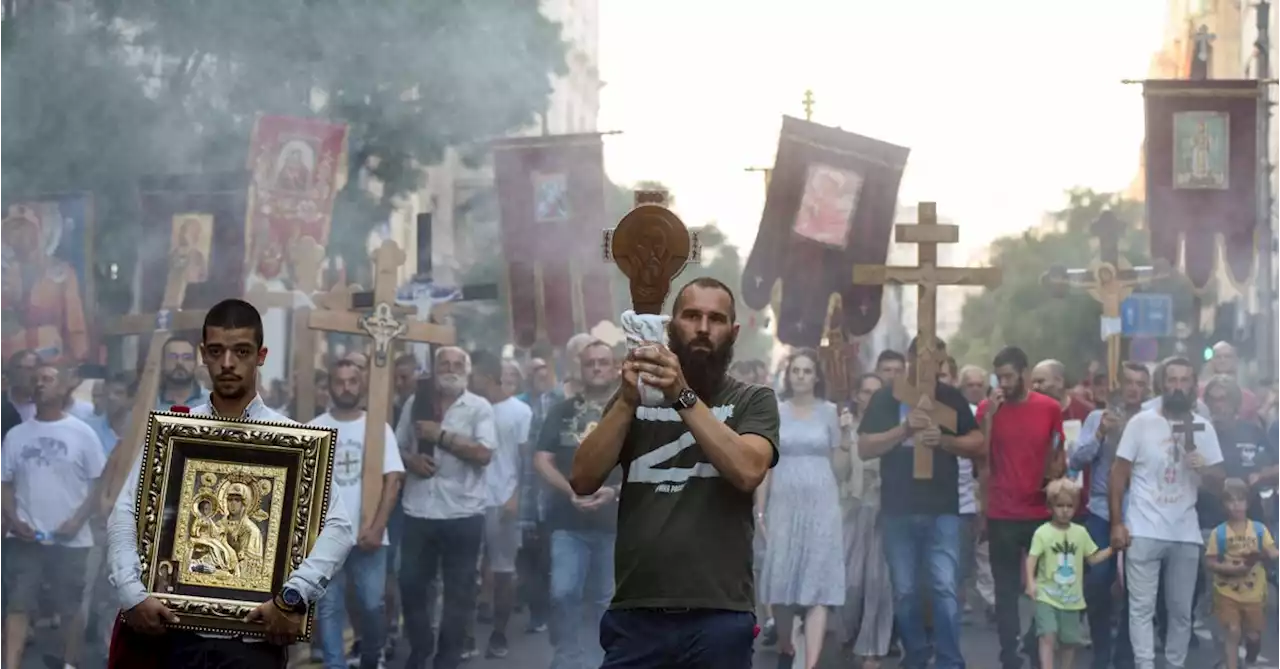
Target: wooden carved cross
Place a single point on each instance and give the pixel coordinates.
(307, 256)
(384, 324)
(651, 245)
(161, 326)
(1187, 429)
(919, 393)
(1109, 280)
(836, 355)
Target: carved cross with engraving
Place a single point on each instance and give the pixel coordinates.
(384, 325)
(919, 393)
(651, 245)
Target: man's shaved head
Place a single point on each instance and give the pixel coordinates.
(1049, 377)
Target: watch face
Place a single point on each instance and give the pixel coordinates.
(291, 597)
(688, 398)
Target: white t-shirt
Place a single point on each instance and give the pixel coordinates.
(511, 419)
(964, 478)
(52, 466)
(348, 459)
(1162, 493)
(81, 409)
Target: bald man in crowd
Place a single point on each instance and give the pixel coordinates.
(1226, 362)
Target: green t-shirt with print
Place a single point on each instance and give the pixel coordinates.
(1060, 571)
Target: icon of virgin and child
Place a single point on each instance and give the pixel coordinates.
(225, 538)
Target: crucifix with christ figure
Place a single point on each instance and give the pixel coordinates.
(1109, 280)
(162, 325)
(920, 393)
(384, 324)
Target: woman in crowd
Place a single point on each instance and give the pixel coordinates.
(867, 617)
(798, 505)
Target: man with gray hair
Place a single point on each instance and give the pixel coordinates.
(444, 504)
(974, 385)
(1225, 362)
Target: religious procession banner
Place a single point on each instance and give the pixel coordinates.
(298, 167)
(48, 296)
(1202, 173)
(551, 201)
(202, 214)
(830, 205)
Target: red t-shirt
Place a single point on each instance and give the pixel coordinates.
(1079, 409)
(1021, 435)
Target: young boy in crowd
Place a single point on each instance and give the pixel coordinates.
(1055, 574)
(1235, 554)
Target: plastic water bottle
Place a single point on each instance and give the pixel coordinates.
(44, 538)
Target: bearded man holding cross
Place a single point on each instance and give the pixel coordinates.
(922, 514)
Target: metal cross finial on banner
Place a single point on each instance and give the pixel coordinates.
(1203, 50)
(808, 105)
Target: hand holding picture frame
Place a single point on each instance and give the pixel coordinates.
(227, 509)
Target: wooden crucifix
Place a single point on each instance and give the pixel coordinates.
(307, 256)
(919, 393)
(1109, 280)
(651, 245)
(383, 324)
(837, 355)
(170, 319)
(1187, 429)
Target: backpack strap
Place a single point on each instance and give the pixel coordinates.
(1260, 531)
(1221, 535)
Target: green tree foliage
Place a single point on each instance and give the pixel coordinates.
(180, 84)
(1022, 312)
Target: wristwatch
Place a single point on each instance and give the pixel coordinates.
(685, 400)
(290, 600)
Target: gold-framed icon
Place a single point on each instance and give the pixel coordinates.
(227, 509)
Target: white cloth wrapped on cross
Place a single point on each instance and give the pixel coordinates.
(642, 329)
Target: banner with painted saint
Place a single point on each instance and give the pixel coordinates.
(830, 205)
(551, 203)
(48, 297)
(1202, 174)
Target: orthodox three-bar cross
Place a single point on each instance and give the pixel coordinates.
(651, 245)
(162, 325)
(306, 255)
(384, 324)
(1109, 280)
(920, 393)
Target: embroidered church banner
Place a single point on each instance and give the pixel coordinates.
(830, 205)
(1202, 175)
(298, 167)
(48, 303)
(551, 203)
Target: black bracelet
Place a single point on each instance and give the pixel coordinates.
(441, 442)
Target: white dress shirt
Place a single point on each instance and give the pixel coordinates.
(458, 488)
(336, 539)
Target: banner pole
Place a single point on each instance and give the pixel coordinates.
(1266, 324)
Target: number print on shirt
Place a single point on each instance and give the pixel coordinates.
(647, 468)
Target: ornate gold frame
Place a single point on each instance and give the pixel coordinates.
(177, 444)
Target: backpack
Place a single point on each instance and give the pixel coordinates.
(1221, 533)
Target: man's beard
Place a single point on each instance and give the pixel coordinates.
(452, 383)
(345, 401)
(178, 377)
(704, 368)
(1019, 391)
(1176, 401)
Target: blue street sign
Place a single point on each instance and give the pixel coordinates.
(1147, 315)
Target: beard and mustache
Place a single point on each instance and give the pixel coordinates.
(452, 383)
(1177, 401)
(703, 363)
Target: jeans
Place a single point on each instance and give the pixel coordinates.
(1010, 539)
(533, 570)
(677, 639)
(1098, 580)
(935, 541)
(1143, 562)
(368, 573)
(451, 548)
(575, 556)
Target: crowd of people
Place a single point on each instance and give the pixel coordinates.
(1038, 490)
(1128, 519)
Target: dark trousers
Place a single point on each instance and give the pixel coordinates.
(533, 566)
(1102, 611)
(187, 650)
(1010, 540)
(677, 639)
(451, 548)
